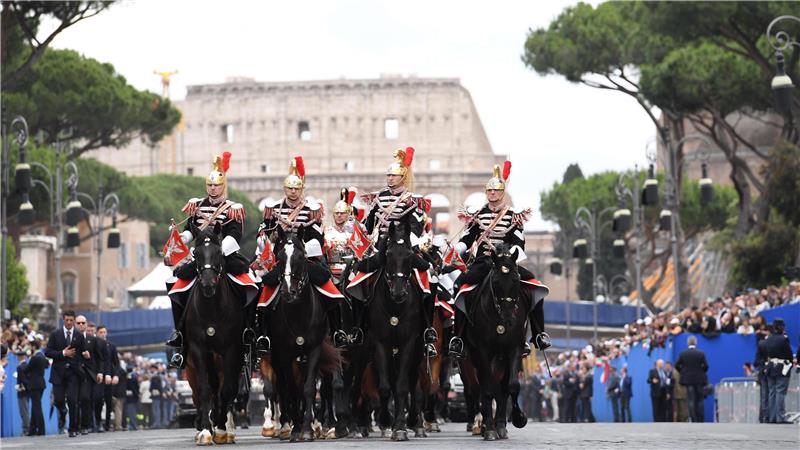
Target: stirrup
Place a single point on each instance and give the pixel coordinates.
(526, 350)
(542, 341)
(356, 336)
(430, 351)
(456, 347)
(340, 339)
(177, 361)
(175, 339)
(248, 336)
(430, 336)
(263, 345)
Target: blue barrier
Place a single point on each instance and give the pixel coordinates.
(136, 326)
(582, 313)
(9, 415)
(791, 316)
(726, 355)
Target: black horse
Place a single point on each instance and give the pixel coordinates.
(214, 324)
(298, 325)
(395, 324)
(495, 337)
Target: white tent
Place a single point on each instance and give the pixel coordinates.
(160, 302)
(153, 284)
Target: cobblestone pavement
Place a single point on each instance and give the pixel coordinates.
(453, 436)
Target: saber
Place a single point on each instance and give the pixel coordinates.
(546, 363)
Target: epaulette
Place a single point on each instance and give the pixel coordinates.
(237, 212)
(316, 211)
(520, 216)
(269, 211)
(369, 198)
(191, 206)
(466, 215)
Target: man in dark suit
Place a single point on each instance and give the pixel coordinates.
(569, 390)
(34, 373)
(625, 394)
(91, 373)
(692, 365)
(585, 394)
(669, 397)
(111, 376)
(613, 392)
(22, 392)
(66, 347)
(657, 379)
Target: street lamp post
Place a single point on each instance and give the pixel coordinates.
(622, 192)
(586, 220)
(19, 128)
(782, 84)
(105, 205)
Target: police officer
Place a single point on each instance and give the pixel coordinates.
(760, 365)
(779, 364)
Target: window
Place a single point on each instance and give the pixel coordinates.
(303, 131)
(265, 168)
(434, 164)
(349, 166)
(391, 128)
(228, 133)
(141, 255)
(69, 287)
(190, 171)
(123, 255)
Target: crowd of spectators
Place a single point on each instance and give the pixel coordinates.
(144, 397)
(726, 314)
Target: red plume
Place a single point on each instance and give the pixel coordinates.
(409, 157)
(226, 161)
(351, 195)
(301, 167)
(506, 170)
(359, 213)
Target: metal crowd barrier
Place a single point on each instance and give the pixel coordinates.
(738, 399)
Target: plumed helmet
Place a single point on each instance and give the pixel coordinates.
(297, 174)
(345, 203)
(219, 170)
(499, 179)
(402, 162)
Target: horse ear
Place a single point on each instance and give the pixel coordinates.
(515, 254)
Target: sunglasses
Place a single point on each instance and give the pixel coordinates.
(80, 323)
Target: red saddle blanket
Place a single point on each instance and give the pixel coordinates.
(268, 293)
(356, 286)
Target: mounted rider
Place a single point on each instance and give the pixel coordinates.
(345, 217)
(292, 213)
(494, 223)
(395, 203)
(208, 212)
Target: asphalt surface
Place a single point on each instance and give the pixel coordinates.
(454, 436)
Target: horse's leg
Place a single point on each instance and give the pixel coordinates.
(309, 393)
(518, 417)
(231, 366)
(488, 391)
(341, 404)
(325, 413)
(384, 386)
(204, 437)
(408, 366)
(267, 375)
(501, 400)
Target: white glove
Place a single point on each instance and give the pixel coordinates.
(461, 248)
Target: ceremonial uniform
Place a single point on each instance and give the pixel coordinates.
(227, 219)
(301, 216)
(336, 250)
(487, 228)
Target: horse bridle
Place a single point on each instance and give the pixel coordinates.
(399, 275)
(301, 283)
(216, 268)
(495, 299)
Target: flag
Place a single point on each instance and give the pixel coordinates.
(174, 250)
(606, 370)
(358, 242)
(267, 258)
(452, 258)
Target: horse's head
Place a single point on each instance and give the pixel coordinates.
(291, 258)
(505, 282)
(397, 263)
(209, 260)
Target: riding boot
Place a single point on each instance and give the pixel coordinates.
(339, 337)
(263, 344)
(249, 334)
(539, 338)
(176, 338)
(456, 345)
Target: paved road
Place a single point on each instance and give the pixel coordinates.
(535, 435)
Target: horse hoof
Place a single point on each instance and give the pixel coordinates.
(307, 436)
(476, 430)
(332, 434)
(220, 438)
(502, 433)
(490, 435)
(386, 433)
(518, 418)
(400, 435)
(268, 432)
(432, 427)
(420, 432)
(231, 438)
(204, 438)
(285, 433)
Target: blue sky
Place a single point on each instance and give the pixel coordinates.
(545, 123)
